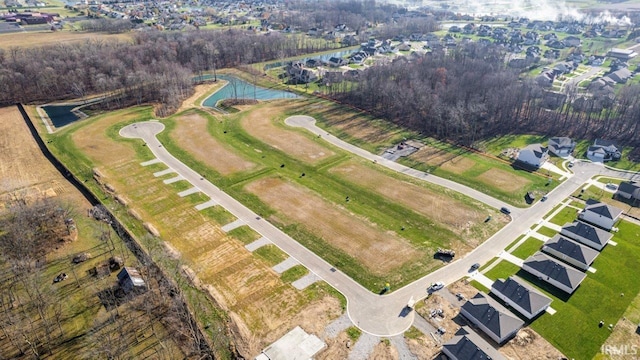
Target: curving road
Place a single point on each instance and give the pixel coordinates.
(372, 313)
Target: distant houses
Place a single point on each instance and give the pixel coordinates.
(600, 214)
(561, 276)
(491, 317)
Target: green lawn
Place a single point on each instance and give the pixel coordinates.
(502, 270)
(547, 231)
(597, 298)
(527, 248)
(565, 215)
(245, 234)
(218, 214)
(293, 274)
(271, 254)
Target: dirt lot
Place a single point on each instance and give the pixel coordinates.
(30, 39)
(191, 134)
(258, 122)
(377, 250)
(22, 166)
(459, 217)
(503, 180)
(448, 161)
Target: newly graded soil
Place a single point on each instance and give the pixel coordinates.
(376, 249)
(259, 124)
(41, 38)
(191, 134)
(23, 168)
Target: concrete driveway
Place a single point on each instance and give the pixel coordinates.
(380, 315)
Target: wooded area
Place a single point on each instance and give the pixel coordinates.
(468, 94)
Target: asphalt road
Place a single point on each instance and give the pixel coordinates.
(381, 315)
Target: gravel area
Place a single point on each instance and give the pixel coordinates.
(363, 347)
(337, 326)
(403, 350)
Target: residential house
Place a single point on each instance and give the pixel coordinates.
(337, 62)
(570, 252)
(571, 41)
(534, 155)
(603, 150)
(563, 277)
(312, 63)
(522, 297)
(629, 191)
(622, 54)
(129, 279)
(561, 146)
(467, 345)
(491, 317)
(586, 234)
(600, 214)
(620, 76)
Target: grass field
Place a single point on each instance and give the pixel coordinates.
(34, 39)
(372, 228)
(502, 270)
(527, 248)
(566, 215)
(547, 231)
(261, 305)
(83, 318)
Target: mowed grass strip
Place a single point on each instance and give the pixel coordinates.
(527, 248)
(566, 215)
(547, 231)
(244, 234)
(603, 295)
(502, 270)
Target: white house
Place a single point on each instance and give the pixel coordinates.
(603, 150)
(466, 344)
(571, 252)
(600, 214)
(561, 146)
(534, 155)
(586, 234)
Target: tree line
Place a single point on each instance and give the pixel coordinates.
(155, 67)
(468, 94)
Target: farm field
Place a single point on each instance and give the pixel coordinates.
(84, 321)
(261, 305)
(35, 39)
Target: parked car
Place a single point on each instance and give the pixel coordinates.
(475, 266)
(436, 286)
(611, 186)
(505, 210)
(544, 198)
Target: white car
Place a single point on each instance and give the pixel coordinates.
(436, 286)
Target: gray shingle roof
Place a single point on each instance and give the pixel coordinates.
(492, 315)
(572, 249)
(467, 345)
(522, 294)
(628, 187)
(564, 274)
(594, 236)
(603, 209)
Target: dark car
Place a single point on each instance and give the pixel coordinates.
(475, 266)
(505, 210)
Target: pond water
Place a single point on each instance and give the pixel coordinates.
(323, 57)
(240, 89)
(60, 115)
